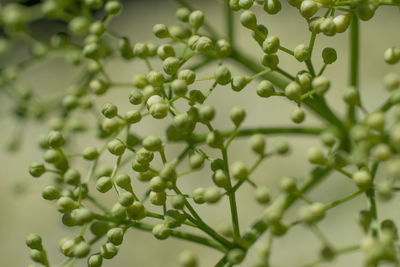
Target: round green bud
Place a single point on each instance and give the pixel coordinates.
(36, 169)
(246, 4)
(72, 177)
(262, 194)
(161, 231)
(79, 25)
(157, 184)
(178, 202)
(187, 259)
(182, 14)
(156, 78)
(50, 193)
(265, 89)
(141, 50)
(66, 246)
(198, 195)
(321, 85)
(66, 204)
(108, 250)
(171, 65)
(158, 198)
(70, 102)
(220, 178)
(81, 250)
(298, 115)
(260, 35)
(124, 181)
(82, 215)
(293, 91)
(384, 190)
(328, 138)
(109, 110)
(116, 147)
(239, 82)
(98, 86)
(272, 7)
(104, 184)
(329, 55)
(223, 48)
(382, 152)
(362, 179)
(196, 19)
(392, 55)
(206, 113)
(196, 160)
(359, 133)
(164, 51)
(351, 96)
(110, 125)
(391, 81)
(99, 228)
(168, 173)
(315, 24)
(133, 116)
(237, 115)
(136, 211)
(126, 199)
(288, 184)
(36, 255)
(236, 256)
(282, 147)
(328, 27)
(192, 42)
(301, 52)
(95, 261)
(152, 143)
(214, 139)
(239, 170)
(312, 213)
(315, 156)
(272, 215)
(270, 61)
(179, 87)
(55, 139)
(113, 7)
(248, 20)
(180, 31)
(34, 241)
(97, 28)
(115, 236)
(257, 144)
(144, 156)
(304, 80)
(119, 211)
(308, 8)
(342, 22)
(187, 75)
(161, 31)
(366, 11)
(153, 100)
(90, 153)
(52, 156)
(376, 121)
(225, 229)
(125, 48)
(271, 44)
(212, 195)
(234, 5)
(222, 75)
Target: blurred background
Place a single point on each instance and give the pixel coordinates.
(23, 210)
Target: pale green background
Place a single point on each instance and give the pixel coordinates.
(26, 212)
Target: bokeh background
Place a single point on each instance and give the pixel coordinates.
(23, 210)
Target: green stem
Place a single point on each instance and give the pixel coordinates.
(232, 197)
(354, 63)
(372, 203)
(343, 199)
(230, 24)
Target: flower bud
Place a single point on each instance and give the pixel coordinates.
(72, 177)
(220, 178)
(270, 61)
(342, 22)
(248, 20)
(34, 241)
(36, 169)
(351, 96)
(109, 110)
(182, 14)
(239, 170)
(236, 256)
(104, 184)
(206, 113)
(155, 78)
(391, 81)
(265, 89)
(222, 75)
(212, 195)
(152, 143)
(238, 83)
(223, 48)
(196, 19)
(271, 44)
(329, 55)
(95, 261)
(321, 85)
(301, 52)
(262, 195)
(161, 31)
(171, 65)
(55, 139)
(328, 27)
(298, 115)
(312, 213)
(113, 7)
(362, 179)
(366, 11)
(116, 147)
(187, 259)
(315, 156)
(376, 121)
(257, 144)
(392, 55)
(308, 8)
(272, 7)
(293, 91)
(158, 198)
(108, 250)
(115, 236)
(237, 115)
(161, 231)
(50, 193)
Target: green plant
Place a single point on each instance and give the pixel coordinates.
(354, 145)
